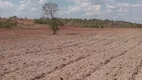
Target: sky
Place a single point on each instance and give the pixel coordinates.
(125, 10)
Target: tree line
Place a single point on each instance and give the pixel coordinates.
(90, 23)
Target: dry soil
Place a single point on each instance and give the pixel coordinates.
(73, 54)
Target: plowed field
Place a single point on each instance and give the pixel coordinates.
(73, 54)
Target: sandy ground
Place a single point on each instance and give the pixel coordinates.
(73, 54)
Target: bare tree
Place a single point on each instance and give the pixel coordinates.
(49, 11)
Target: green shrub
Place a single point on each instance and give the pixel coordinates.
(42, 21)
(8, 24)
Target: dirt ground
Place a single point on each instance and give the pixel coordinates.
(73, 54)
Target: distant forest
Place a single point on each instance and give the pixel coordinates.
(88, 23)
(91, 23)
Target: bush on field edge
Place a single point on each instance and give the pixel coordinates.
(8, 24)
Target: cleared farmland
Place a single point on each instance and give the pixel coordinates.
(73, 54)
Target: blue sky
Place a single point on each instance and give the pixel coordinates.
(126, 10)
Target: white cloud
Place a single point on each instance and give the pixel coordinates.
(6, 5)
(24, 8)
(34, 9)
(42, 1)
(73, 9)
(6, 8)
(107, 9)
(83, 6)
